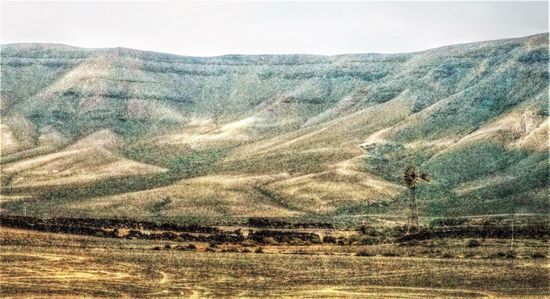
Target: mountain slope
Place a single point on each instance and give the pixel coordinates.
(275, 135)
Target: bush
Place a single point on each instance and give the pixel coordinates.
(447, 255)
(246, 250)
(474, 243)
(367, 240)
(538, 255)
(398, 231)
(267, 223)
(190, 247)
(369, 231)
(267, 236)
(168, 236)
(249, 243)
(156, 248)
(391, 253)
(409, 243)
(230, 250)
(259, 250)
(448, 222)
(364, 253)
(511, 254)
(354, 238)
(298, 242)
(134, 234)
(270, 240)
(497, 255)
(329, 239)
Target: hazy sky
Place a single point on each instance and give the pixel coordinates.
(214, 28)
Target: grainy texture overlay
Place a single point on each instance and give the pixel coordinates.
(127, 173)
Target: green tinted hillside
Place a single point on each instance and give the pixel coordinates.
(114, 132)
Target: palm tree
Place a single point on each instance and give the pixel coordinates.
(412, 177)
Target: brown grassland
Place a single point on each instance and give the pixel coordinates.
(39, 264)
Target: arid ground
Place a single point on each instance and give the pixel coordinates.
(128, 173)
(36, 264)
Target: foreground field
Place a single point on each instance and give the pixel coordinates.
(44, 264)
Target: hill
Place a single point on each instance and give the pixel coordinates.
(128, 133)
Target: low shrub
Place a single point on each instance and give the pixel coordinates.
(267, 223)
(398, 231)
(511, 254)
(190, 247)
(259, 250)
(369, 231)
(270, 241)
(448, 222)
(329, 239)
(497, 255)
(368, 240)
(355, 238)
(230, 250)
(409, 243)
(249, 243)
(364, 253)
(474, 243)
(279, 223)
(298, 242)
(538, 255)
(391, 253)
(267, 236)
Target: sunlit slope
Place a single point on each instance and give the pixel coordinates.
(90, 159)
(276, 135)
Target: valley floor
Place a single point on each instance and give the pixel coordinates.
(38, 264)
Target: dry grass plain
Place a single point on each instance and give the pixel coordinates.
(36, 264)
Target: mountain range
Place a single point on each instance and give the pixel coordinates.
(127, 133)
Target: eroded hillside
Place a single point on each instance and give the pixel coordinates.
(120, 132)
